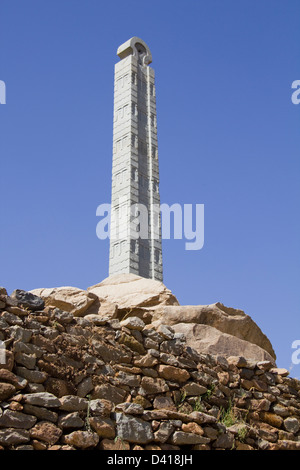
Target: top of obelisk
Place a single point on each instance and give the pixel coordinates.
(137, 47)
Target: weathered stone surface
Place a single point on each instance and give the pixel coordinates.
(27, 300)
(227, 320)
(279, 371)
(9, 377)
(101, 407)
(166, 331)
(58, 387)
(44, 399)
(35, 376)
(173, 373)
(291, 424)
(41, 413)
(26, 360)
(82, 439)
(202, 418)
(145, 361)
(152, 385)
(104, 427)
(164, 402)
(70, 420)
(73, 403)
(85, 387)
(163, 433)
(266, 432)
(109, 392)
(129, 291)
(133, 323)
(6, 391)
(11, 318)
(131, 343)
(209, 340)
(20, 334)
(187, 438)
(132, 429)
(193, 428)
(224, 441)
(280, 410)
(114, 445)
(194, 389)
(46, 431)
(11, 436)
(69, 299)
(7, 362)
(172, 346)
(130, 408)
(128, 379)
(140, 400)
(271, 418)
(15, 419)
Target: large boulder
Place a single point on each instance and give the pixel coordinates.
(208, 340)
(132, 293)
(69, 299)
(227, 320)
(27, 300)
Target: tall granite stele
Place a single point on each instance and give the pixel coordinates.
(135, 238)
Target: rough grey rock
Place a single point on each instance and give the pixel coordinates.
(133, 429)
(11, 436)
(28, 300)
(41, 412)
(15, 419)
(73, 403)
(133, 323)
(35, 376)
(44, 399)
(70, 420)
(291, 424)
(187, 438)
(130, 408)
(163, 433)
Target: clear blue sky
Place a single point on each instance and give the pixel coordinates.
(229, 138)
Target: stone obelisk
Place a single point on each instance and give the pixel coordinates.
(135, 239)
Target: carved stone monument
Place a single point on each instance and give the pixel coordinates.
(135, 238)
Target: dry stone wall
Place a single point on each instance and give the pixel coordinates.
(88, 382)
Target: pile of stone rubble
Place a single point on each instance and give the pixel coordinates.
(91, 382)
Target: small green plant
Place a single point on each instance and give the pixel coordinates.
(227, 417)
(128, 313)
(180, 401)
(198, 406)
(120, 439)
(87, 418)
(208, 394)
(242, 433)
